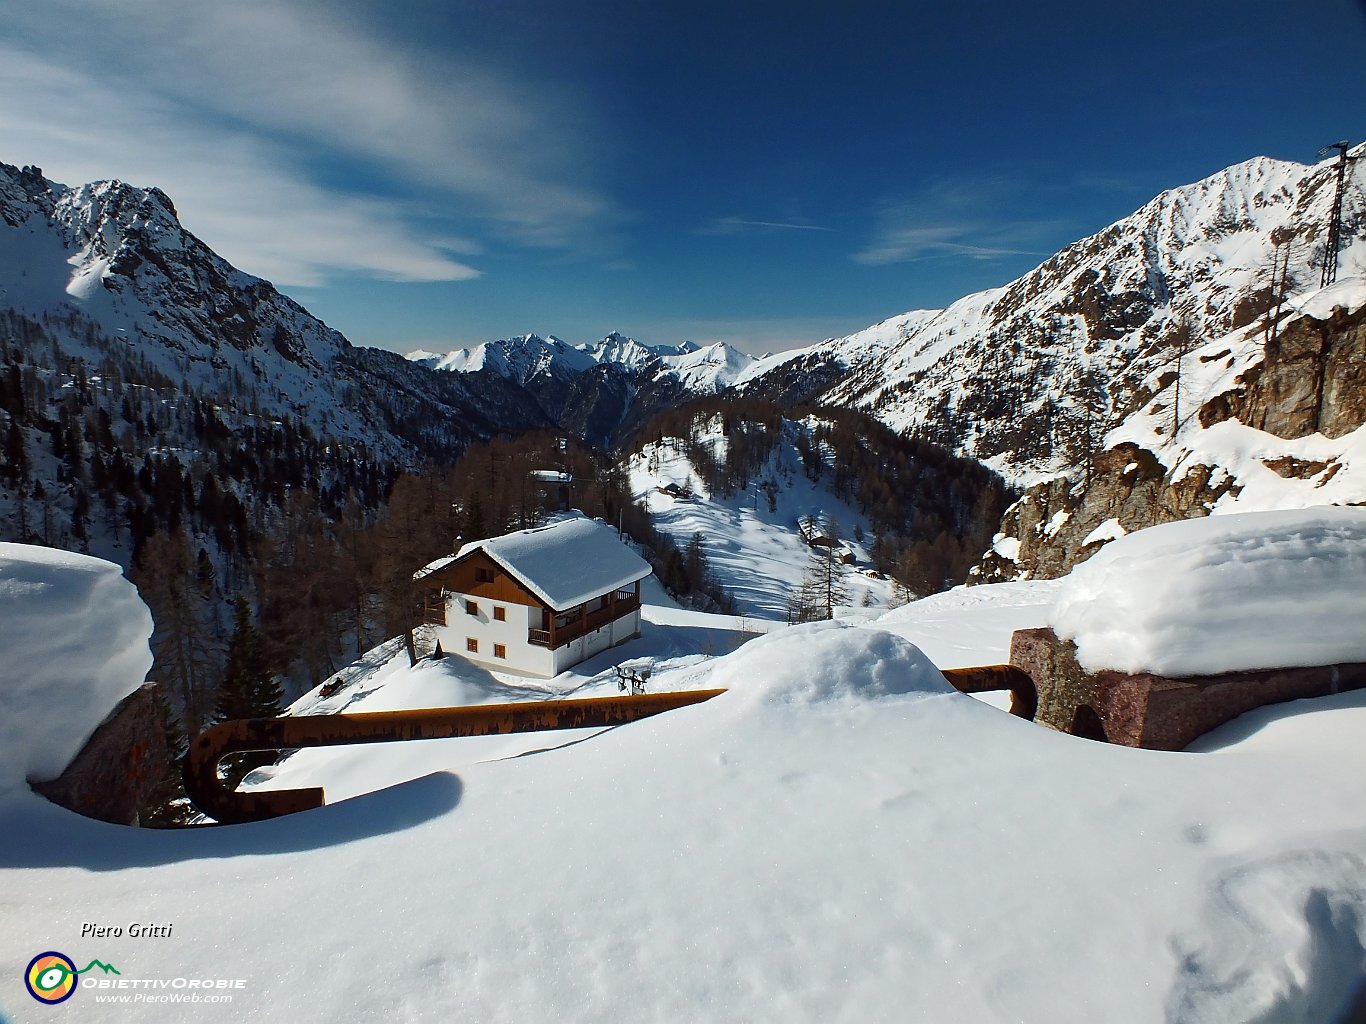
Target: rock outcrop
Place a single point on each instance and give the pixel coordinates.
(1309, 380)
(1028, 377)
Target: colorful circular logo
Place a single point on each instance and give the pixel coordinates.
(51, 977)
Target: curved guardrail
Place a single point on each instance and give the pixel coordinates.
(208, 793)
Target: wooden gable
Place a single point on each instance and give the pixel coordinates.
(480, 576)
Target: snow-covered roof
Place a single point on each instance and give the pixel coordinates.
(552, 476)
(566, 563)
(431, 567)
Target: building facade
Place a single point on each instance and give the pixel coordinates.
(536, 601)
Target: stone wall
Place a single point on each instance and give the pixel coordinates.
(119, 765)
(1152, 711)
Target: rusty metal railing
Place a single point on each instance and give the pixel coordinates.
(1024, 696)
(207, 791)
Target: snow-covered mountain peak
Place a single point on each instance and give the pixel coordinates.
(134, 269)
(112, 273)
(618, 348)
(702, 369)
(518, 359)
(1025, 376)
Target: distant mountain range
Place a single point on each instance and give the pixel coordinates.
(1036, 379)
(703, 370)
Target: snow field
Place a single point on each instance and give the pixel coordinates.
(758, 555)
(838, 837)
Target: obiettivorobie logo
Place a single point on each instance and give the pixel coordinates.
(51, 977)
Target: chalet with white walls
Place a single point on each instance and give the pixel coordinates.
(536, 601)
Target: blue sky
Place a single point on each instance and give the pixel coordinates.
(435, 173)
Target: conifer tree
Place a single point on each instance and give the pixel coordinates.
(184, 644)
(249, 689)
(16, 454)
(824, 586)
(166, 806)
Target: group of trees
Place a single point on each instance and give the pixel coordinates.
(751, 428)
(932, 513)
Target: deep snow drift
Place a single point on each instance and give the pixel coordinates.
(1246, 591)
(73, 643)
(836, 838)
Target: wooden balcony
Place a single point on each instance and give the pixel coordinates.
(434, 608)
(622, 603)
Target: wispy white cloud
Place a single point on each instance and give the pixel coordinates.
(736, 225)
(902, 244)
(234, 108)
(953, 219)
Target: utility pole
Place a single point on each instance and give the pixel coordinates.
(1330, 252)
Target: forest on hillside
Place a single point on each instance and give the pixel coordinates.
(932, 512)
(209, 505)
(271, 556)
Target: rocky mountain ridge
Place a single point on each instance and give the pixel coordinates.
(1271, 420)
(1160, 369)
(1030, 376)
(118, 280)
(602, 391)
(700, 369)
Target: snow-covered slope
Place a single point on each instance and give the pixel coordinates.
(836, 838)
(1025, 377)
(117, 258)
(119, 285)
(753, 539)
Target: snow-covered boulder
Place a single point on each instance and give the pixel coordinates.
(1254, 590)
(73, 643)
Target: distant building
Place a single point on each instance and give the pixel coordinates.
(536, 601)
(555, 488)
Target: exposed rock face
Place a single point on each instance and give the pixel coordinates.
(1311, 379)
(1055, 521)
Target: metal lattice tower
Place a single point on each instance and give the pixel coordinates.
(1330, 252)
